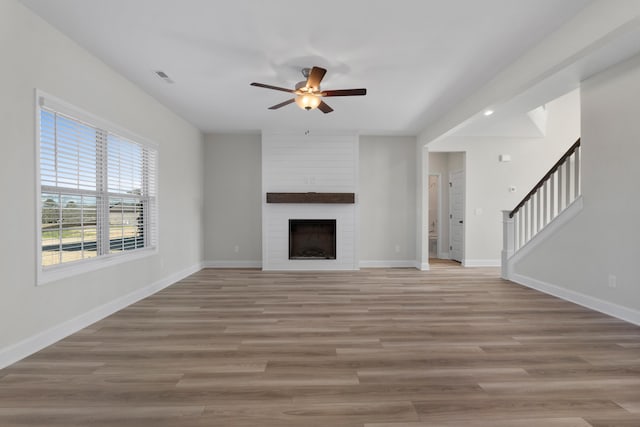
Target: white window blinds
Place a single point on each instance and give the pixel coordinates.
(98, 192)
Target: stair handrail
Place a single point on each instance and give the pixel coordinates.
(546, 177)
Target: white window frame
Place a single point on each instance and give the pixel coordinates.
(68, 269)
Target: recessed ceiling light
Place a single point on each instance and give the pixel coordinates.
(488, 112)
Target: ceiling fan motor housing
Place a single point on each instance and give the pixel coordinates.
(302, 84)
(308, 95)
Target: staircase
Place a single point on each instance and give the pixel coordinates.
(542, 208)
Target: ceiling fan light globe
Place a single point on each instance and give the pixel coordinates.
(308, 101)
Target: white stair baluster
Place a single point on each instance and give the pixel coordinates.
(568, 178)
(552, 197)
(576, 172)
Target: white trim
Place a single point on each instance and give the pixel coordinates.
(422, 204)
(439, 241)
(55, 103)
(356, 205)
(423, 266)
(438, 231)
(38, 190)
(232, 264)
(388, 264)
(481, 263)
(28, 346)
(62, 271)
(624, 313)
(54, 273)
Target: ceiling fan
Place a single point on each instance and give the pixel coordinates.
(308, 94)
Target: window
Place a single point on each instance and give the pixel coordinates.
(97, 190)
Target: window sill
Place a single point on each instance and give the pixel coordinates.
(53, 274)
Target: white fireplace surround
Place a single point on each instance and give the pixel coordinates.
(300, 163)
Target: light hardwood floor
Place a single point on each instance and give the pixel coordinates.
(375, 348)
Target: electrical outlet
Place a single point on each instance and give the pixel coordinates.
(236, 249)
(613, 282)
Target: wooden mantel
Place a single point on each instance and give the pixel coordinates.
(311, 197)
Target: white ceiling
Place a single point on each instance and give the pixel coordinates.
(417, 58)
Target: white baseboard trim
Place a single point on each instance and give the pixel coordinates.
(27, 347)
(481, 263)
(606, 307)
(388, 264)
(232, 264)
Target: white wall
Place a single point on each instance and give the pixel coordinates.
(387, 198)
(604, 239)
(302, 162)
(599, 24)
(232, 200)
(232, 210)
(488, 180)
(35, 55)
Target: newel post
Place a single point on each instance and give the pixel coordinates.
(508, 243)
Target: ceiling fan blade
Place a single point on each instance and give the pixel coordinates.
(315, 77)
(344, 92)
(272, 87)
(282, 104)
(324, 107)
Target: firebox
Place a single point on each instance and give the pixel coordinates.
(312, 239)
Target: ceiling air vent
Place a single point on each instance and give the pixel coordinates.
(163, 76)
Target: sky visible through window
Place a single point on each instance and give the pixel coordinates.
(67, 152)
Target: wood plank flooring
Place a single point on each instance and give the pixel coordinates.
(374, 348)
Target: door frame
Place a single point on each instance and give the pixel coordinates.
(440, 219)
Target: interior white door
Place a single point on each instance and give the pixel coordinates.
(456, 215)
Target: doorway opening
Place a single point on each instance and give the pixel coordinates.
(446, 239)
(434, 214)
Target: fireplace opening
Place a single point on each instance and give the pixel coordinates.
(312, 239)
